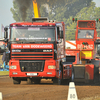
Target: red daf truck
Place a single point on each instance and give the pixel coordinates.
(37, 50)
(86, 65)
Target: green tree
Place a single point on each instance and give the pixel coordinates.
(16, 11)
(65, 8)
(44, 12)
(60, 10)
(70, 31)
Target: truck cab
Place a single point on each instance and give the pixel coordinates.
(37, 49)
(85, 65)
(85, 38)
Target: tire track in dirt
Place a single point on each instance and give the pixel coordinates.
(44, 91)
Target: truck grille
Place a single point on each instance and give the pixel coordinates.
(31, 66)
(32, 54)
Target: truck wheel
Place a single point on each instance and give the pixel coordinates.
(72, 77)
(29, 81)
(59, 81)
(60, 76)
(86, 78)
(96, 74)
(55, 80)
(37, 81)
(16, 81)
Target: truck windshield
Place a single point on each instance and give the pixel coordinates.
(86, 34)
(33, 34)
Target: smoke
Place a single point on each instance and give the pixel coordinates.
(23, 6)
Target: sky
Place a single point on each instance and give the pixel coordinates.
(6, 16)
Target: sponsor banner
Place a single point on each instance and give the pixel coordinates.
(27, 46)
(86, 54)
(89, 46)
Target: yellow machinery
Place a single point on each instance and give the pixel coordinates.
(36, 9)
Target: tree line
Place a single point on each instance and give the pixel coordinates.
(61, 10)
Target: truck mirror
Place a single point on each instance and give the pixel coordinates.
(61, 34)
(5, 32)
(5, 40)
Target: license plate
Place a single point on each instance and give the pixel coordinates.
(31, 74)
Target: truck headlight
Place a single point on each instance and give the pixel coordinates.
(12, 67)
(51, 67)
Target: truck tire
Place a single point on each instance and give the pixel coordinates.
(37, 81)
(57, 81)
(72, 77)
(60, 76)
(86, 78)
(96, 74)
(29, 81)
(16, 81)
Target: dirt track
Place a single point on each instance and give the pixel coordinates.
(44, 91)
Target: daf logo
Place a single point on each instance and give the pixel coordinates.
(47, 50)
(16, 50)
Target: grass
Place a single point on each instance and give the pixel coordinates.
(4, 73)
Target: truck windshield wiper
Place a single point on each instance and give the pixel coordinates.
(19, 41)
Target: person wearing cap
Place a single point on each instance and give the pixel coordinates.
(88, 35)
